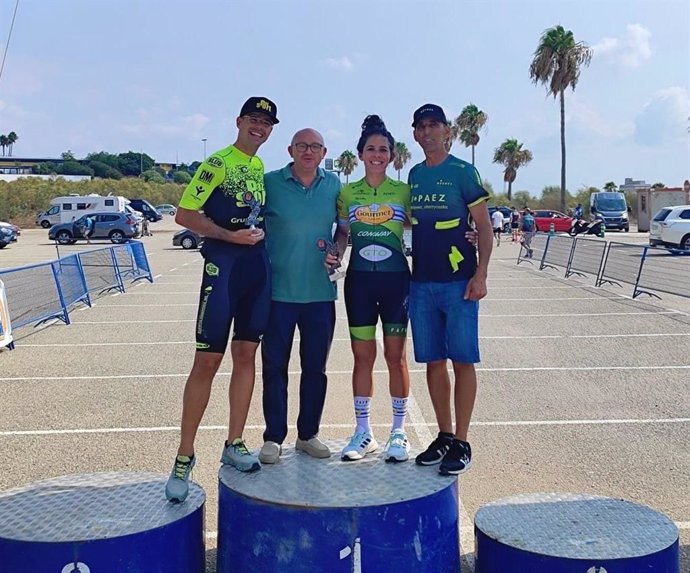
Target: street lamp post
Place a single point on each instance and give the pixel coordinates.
(204, 140)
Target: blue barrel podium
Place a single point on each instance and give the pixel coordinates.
(305, 515)
(101, 523)
(573, 533)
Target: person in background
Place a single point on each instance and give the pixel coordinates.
(497, 224)
(515, 223)
(528, 229)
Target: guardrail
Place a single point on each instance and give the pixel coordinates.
(36, 293)
(648, 269)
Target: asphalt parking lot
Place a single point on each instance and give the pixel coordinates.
(581, 389)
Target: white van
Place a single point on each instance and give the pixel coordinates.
(65, 209)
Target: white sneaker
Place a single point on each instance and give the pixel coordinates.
(270, 452)
(397, 447)
(361, 444)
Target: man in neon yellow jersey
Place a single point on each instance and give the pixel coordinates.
(236, 287)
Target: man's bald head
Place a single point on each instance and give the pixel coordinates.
(307, 151)
(308, 133)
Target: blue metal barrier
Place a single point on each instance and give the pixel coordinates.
(45, 291)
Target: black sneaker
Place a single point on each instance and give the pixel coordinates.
(457, 460)
(436, 450)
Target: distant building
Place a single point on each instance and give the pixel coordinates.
(23, 165)
(632, 185)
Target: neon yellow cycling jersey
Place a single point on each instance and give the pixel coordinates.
(375, 217)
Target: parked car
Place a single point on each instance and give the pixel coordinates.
(166, 209)
(670, 227)
(146, 209)
(544, 217)
(187, 239)
(136, 215)
(505, 211)
(118, 227)
(17, 230)
(7, 236)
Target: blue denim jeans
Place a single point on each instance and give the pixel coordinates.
(444, 324)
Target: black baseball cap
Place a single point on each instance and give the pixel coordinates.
(430, 111)
(261, 105)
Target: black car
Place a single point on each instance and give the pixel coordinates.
(187, 239)
(146, 209)
(7, 236)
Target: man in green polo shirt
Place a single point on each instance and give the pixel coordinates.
(300, 215)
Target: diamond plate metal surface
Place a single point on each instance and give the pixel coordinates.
(576, 526)
(88, 507)
(300, 480)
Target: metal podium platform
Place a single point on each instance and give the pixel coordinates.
(309, 515)
(101, 523)
(573, 533)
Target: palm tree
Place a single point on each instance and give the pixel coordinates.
(511, 155)
(556, 64)
(347, 163)
(610, 186)
(467, 126)
(11, 139)
(4, 142)
(401, 156)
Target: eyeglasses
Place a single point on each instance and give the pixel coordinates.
(254, 120)
(302, 147)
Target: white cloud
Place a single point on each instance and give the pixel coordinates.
(630, 50)
(664, 118)
(588, 121)
(343, 63)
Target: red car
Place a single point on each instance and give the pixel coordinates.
(544, 217)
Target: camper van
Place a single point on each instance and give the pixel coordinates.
(612, 207)
(66, 209)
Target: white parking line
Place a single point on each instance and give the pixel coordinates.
(338, 372)
(419, 422)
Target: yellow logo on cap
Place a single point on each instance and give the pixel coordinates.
(263, 104)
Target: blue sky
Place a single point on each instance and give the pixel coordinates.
(119, 75)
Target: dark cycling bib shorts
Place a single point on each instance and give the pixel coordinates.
(234, 290)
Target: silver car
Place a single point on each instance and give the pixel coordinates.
(118, 227)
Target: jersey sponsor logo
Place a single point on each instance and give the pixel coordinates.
(374, 214)
(429, 198)
(206, 176)
(444, 183)
(215, 161)
(372, 233)
(212, 270)
(375, 253)
(199, 190)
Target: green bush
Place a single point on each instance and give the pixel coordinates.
(21, 200)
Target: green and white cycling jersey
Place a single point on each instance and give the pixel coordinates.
(375, 217)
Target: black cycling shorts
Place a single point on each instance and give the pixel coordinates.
(234, 290)
(370, 295)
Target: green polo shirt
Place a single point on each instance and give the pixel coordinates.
(296, 219)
